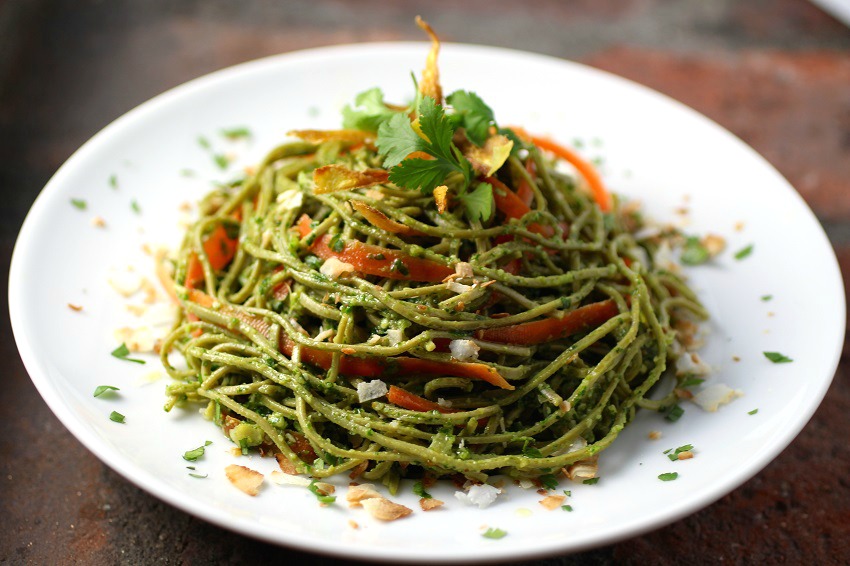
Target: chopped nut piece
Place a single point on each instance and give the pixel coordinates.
(245, 479)
(353, 524)
(553, 501)
(683, 394)
(686, 455)
(98, 222)
(74, 307)
(384, 509)
(713, 244)
(429, 504)
(286, 466)
(654, 435)
(334, 268)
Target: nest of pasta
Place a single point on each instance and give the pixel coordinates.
(423, 292)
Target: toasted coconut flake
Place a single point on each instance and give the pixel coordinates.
(334, 177)
(430, 504)
(74, 307)
(357, 494)
(582, 470)
(384, 509)
(321, 136)
(553, 501)
(334, 268)
(285, 478)
(325, 488)
(430, 83)
(489, 158)
(98, 222)
(441, 197)
(382, 221)
(464, 269)
(481, 495)
(245, 479)
(286, 466)
(464, 350)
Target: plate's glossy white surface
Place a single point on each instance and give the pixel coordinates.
(654, 149)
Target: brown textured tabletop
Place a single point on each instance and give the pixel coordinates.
(774, 72)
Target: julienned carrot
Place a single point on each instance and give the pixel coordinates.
(523, 189)
(219, 249)
(549, 329)
(407, 400)
(512, 206)
(375, 260)
(585, 169)
(361, 366)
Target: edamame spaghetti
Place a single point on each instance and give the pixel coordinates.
(423, 292)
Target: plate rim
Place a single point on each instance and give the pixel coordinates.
(171, 495)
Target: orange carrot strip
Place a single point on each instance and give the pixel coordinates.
(407, 400)
(548, 329)
(382, 221)
(588, 171)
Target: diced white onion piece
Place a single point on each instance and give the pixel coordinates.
(481, 495)
(464, 350)
(366, 391)
(395, 336)
(714, 396)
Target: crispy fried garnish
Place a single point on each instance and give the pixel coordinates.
(441, 197)
(320, 136)
(98, 222)
(286, 466)
(686, 455)
(582, 470)
(357, 494)
(382, 221)
(384, 509)
(430, 504)
(553, 501)
(430, 83)
(489, 158)
(74, 307)
(245, 479)
(654, 434)
(332, 178)
(359, 469)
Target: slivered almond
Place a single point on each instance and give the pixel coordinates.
(74, 307)
(245, 479)
(384, 509)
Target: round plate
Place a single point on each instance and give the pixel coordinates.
(653, 149)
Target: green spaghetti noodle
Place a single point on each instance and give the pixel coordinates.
(360, 325)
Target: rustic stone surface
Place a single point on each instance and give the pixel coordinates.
(775, 72)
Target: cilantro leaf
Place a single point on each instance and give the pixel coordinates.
(422, 174)
(753, 412)
(368, 113)
(101, 389)
(548, 481)
(397, 139)
(236, 133)
(494, 533)
(777, 358)
(591, 481)
(192, 455)
(419, 489)
(79, 203)
(669, 476)
(475, 116)
(122, 353)
(438, 129)
(744, 252)
(479, 203)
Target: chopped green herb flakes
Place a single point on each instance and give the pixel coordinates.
(121, 352)
(236, 133)
(693, 252)
(753, 412)
(79, 203)
(591, 481)
(674, 413)
(192, 455)
(567, 507)
(675, 455)
(777, 358)
(669, 476)
(321, 495)
(766, 298)
(113, 181)
(101, 389)
(494, 533)
(419, 489)
(744, 252)
(117, 417)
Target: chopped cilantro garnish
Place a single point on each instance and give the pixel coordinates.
(79, 203)
(668, 476)
(221, 160)
(692, 381)
(474, 115)
(135, 206)
(419, 489)
(744, 252)
(117, 417)
(199, 476)
(203, 142)
(121, 352)
(777, 358)
(567, 507)
(368, 112)
(113, 181)
(377, 257)
(337, 244)
(675, 455)
(236, 133)
(320, 495)
(399, 266)
(479, 202)
(693, 252)
(591, 481)
(187, 173)
(766, 298)
(531, 452)
(243, 444)
(753, 412)
(101, 389)
(674, 413)
(192, 455)
(548, 481)
(494, 533)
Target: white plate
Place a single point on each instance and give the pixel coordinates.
(654, 149)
